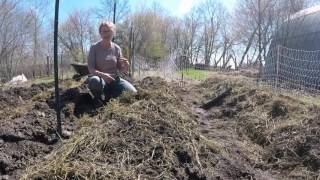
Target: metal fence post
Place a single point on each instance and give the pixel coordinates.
(56, 75)
(277, 66)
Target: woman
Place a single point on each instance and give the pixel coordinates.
(104, 61)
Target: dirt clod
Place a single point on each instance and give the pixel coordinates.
(278, 109)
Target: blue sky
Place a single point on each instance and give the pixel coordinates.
(175, 7)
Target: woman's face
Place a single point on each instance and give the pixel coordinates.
(106, 33)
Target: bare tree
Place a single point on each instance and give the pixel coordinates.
(227, 43)
(174, 35)
(212, 13)
(256, 22)
(189, 33)
(14, 28)
(148, 34)
(37, 13)
(76, 34)
(106, 10)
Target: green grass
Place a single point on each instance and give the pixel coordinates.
(195, 74)
(47, 79)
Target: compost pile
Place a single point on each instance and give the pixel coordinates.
(274, 135)
(147, 135)
(225, 127)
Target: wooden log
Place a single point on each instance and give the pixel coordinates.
(217, 100)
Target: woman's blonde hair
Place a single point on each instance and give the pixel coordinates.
(108, 24)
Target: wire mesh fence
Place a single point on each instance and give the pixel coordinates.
(284, 69)
(174, 67)
(165, 68)
(292, 69)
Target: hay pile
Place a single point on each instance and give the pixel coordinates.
(254, 133)
(289, 131)
(149, 135)
(285, 128)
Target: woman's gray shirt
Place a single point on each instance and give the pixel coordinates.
(104, 59)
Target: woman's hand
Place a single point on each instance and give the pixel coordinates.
(124, 65)
(107, 78)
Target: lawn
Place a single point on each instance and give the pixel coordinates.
(195, 74)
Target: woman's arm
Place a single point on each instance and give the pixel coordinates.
(122, 63)
(105, 76)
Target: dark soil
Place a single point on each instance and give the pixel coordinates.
(28, 124)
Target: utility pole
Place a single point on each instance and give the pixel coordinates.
(259, 36)
(133, 53)
(56, 75)
(130, 48)
(35, 46)
(114, 14)
(114, 11)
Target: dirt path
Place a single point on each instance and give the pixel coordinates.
(221, 130)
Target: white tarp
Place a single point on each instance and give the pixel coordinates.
(18, 79)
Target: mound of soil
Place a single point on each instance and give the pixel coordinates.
(276, 136)
(26, 138)
(15, 96)
(74, 102)
(146, 135)
(27, 129)
(28, 124)
(160, 133)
